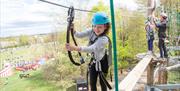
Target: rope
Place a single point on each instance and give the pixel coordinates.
(66, 6)
(70, 30)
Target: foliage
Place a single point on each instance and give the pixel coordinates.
(123, 64)
(100, 7)
(60, 70)
(131, 38)
(23, 39)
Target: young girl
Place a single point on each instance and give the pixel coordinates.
(98, 41)
(150, 34)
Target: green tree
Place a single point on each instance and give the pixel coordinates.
(23, 40)
(131, 38)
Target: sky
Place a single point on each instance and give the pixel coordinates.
(27, 17)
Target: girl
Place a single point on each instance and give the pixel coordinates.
(150, 34)
(98, 41)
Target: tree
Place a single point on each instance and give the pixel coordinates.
(24, 40)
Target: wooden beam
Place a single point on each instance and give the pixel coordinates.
(151, 88)
(168, 86)
(175, 57)
(128, 83)
(174, 67)
(174, 48)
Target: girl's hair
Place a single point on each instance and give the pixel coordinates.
(106, 31)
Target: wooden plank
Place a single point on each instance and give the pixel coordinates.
(150, 88)
(174, 67)
(168, 86)
(131, 79)
(174, 48)
(175, 57)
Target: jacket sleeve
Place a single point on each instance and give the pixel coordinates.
(82, 34)
(98, 45)
(160, 25)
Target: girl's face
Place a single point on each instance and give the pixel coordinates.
(99, 29)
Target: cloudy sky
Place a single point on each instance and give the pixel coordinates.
(19, 17)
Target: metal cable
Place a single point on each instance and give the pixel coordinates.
(66, 6)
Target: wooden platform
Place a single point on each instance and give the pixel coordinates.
(131, 79)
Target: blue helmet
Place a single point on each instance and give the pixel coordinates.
(100, 18)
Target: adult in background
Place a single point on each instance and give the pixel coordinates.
(162, 25)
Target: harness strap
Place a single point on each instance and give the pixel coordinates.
(109, 51)
(104, 79)
(101, 75)
(70, 30)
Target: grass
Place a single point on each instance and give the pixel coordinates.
(34, 83)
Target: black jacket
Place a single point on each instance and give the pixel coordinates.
(161, 29)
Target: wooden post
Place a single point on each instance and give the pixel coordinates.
(162, 72)
(150, 68)
(149, 12)
(162, 76)
(150, 74)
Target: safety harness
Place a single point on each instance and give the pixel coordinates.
(97, 63)
(150, 32)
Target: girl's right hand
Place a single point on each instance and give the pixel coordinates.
(68, 47)
(72, 48)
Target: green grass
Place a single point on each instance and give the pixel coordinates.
(34, 83)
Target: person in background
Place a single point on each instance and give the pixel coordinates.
(162, 25)
(149, 34)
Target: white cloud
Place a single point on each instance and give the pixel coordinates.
(24, 16)
(27, 16)
(129, 4)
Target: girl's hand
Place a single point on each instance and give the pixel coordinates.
(68, 47)
(72, 48)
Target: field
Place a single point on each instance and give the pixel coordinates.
(34, 83)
